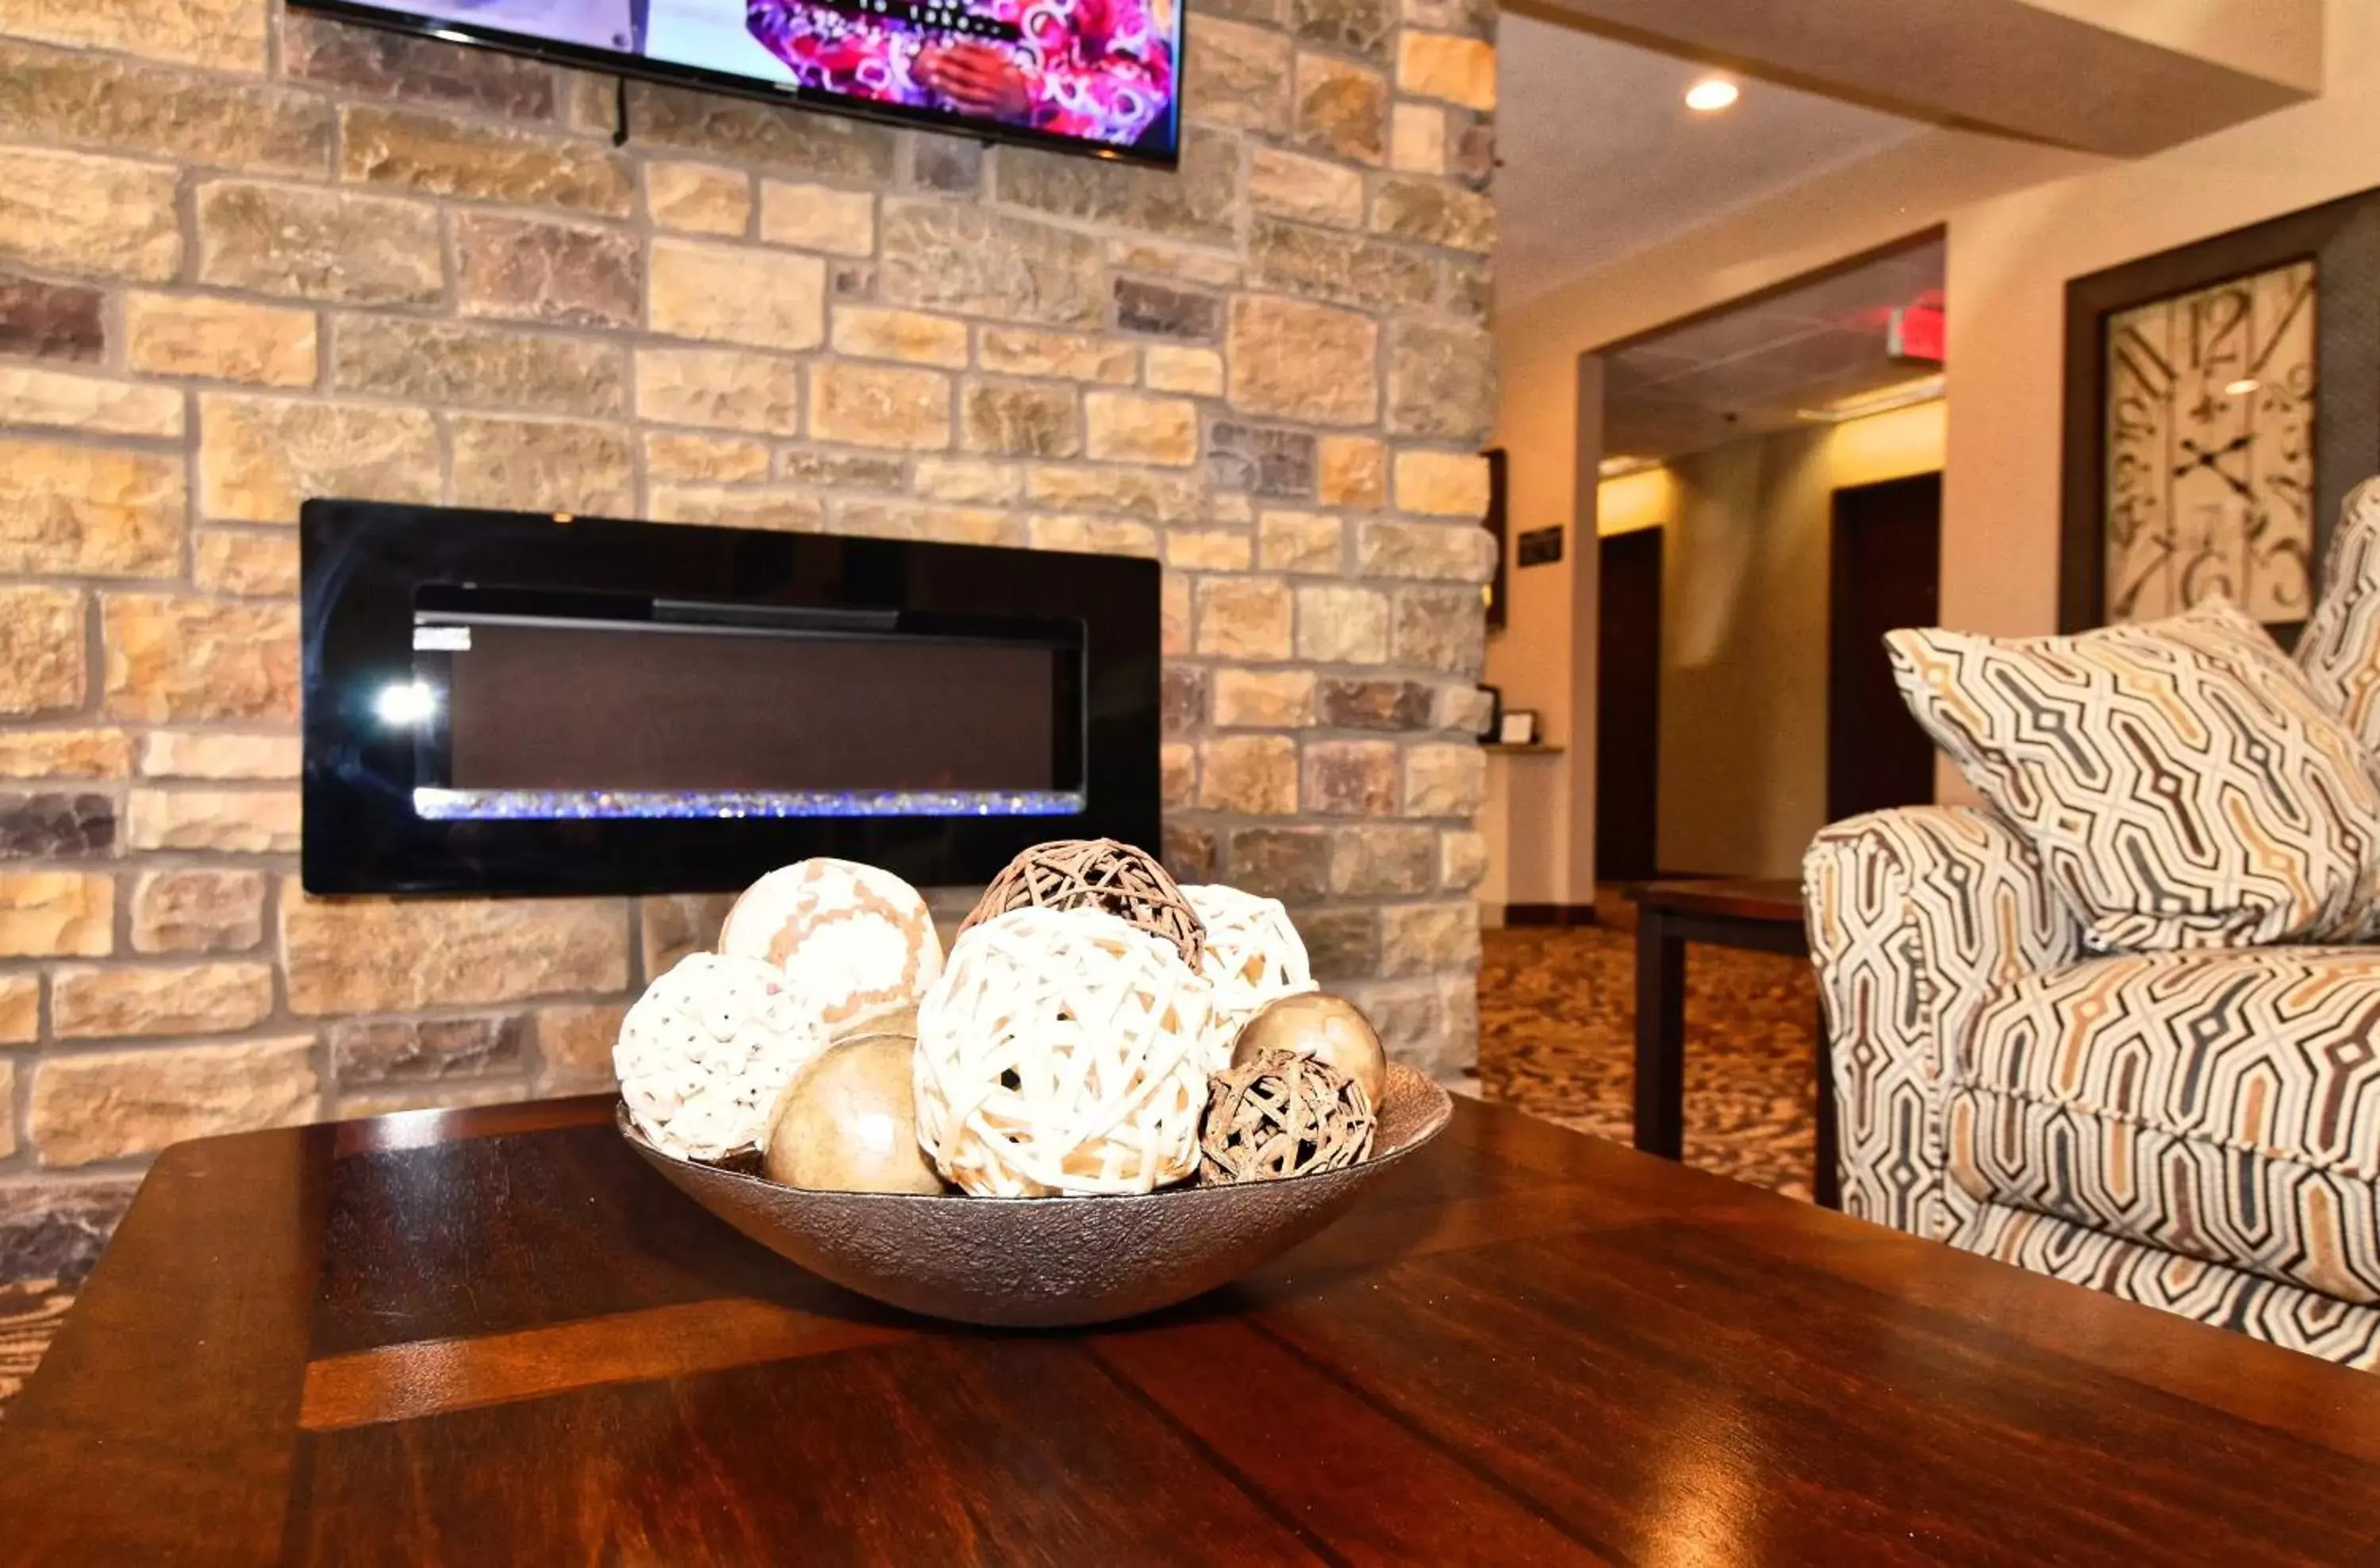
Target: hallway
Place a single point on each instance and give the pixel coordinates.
(1557, 1019)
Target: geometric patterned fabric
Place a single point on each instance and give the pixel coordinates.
(2224, 1105)
(2340, 650)
(2181, 782)
(1916, 918)
(1966, 1016)
(2227, 1298)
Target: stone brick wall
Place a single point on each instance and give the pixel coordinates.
(247, 258)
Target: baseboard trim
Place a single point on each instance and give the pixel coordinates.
(1549, 914)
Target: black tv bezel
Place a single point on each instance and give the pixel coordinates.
(786, 94)
(363, 566)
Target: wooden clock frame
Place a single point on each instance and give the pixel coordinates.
(2342, 239)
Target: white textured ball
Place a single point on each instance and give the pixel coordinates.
(1063, 1051)
(854, 942)
(1253, 958)
(705, 1052)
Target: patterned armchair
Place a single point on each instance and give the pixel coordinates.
(2195, 1130)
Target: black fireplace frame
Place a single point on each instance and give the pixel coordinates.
(366, 566)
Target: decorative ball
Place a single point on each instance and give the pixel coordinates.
(1096, 873)
(855, 943)
(1061, 1052)
(902, 1021)
(705, 1052)
(848, 1122)
(1283, 1115)
(1252, 957)
(1329, 1028)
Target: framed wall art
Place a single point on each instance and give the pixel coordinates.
(2222, 399)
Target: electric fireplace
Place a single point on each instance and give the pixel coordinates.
(526, 703)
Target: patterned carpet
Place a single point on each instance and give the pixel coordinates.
(1557, 1012)
(30, 1314)
(1557, 1021)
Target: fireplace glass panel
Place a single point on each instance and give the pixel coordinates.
(692, 715)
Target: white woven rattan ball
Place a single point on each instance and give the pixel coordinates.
(855, 943)
(1253, 958)
(1063, 1051)
(705, 1052)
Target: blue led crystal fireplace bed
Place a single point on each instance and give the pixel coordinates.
(522, 702)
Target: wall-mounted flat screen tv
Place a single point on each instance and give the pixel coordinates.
(1096, 76)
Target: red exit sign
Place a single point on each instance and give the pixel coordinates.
(1916, 332)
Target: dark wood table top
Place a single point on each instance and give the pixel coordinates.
(493, 1336)
(1739, 898)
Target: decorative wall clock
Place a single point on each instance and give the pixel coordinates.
(2220, 401)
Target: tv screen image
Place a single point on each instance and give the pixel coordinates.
(1099, 75)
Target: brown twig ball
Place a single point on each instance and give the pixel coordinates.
(1283, 1115)
(1097, 873)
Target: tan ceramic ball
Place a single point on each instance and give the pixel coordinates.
(1329, 1028)
(849, 1123)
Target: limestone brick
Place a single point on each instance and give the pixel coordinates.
(1460, 70)
(880, 406)
(1245, 617)
(388, 145)
(88, 215)
(1122, 427)
(106, 1105)
(88, 511)
(397, 955)
(214, 339)
(174, 659)
(1310, 362)
(317, 244)
(192, 909)
(817, 217)
(108, 1002)
(41, 667)
(722, 388)
(1263, 698)
(696, 198)
(56, 914)
(736, 293)
(870, 333)
(260, 459)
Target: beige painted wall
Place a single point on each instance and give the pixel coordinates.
(2021, 220)
(2010, 260)
(1744, 614)
(1534, 801)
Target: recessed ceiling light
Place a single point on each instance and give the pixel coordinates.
(1711, 94)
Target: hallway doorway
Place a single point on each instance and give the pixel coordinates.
(1886, 574)
(1628, 707)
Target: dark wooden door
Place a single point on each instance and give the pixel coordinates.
(1887, 574)
(1628, 707)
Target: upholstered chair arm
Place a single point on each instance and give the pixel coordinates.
(1915, 916)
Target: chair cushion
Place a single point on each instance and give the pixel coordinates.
(2178, 778)
(2223, 1105)
(2340, 650)
(2289, 1315)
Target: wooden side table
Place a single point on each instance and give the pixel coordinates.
(1764, 915)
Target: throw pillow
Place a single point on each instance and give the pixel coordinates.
(2340, 650)
(2180, 781)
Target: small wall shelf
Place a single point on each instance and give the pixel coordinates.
(1532, 750)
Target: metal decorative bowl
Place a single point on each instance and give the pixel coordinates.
(1045, 1262)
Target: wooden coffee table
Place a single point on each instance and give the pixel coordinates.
(493, 1336)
